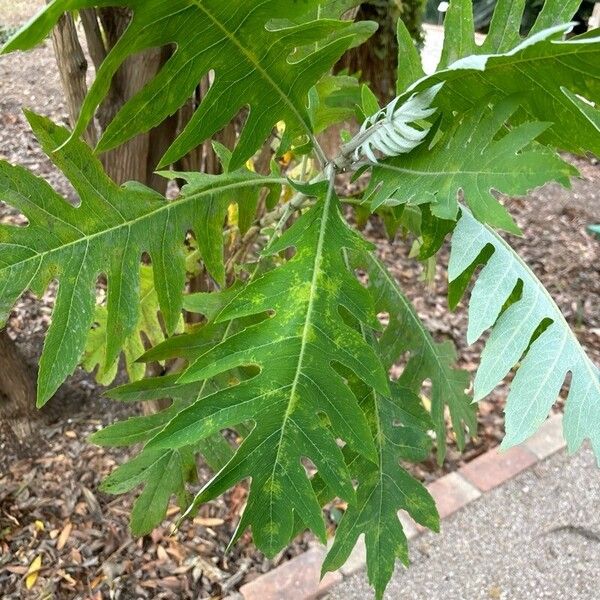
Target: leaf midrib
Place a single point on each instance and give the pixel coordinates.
(257, 66)
(167, 206)
(306, 329)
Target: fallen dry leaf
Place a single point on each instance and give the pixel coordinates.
(64, 536)
(161, 553)
(33, 572)
(17, 569)
(208, 522)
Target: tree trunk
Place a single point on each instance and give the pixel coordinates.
(17, 397)
(72, 68)
(136, 159)
(377, 60)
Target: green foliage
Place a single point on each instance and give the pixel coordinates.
(148, 328)
(399, 424)
(287, 355)
(298, 402)
(428, 360)
(70, 244)
(162, 473)
(532, 326)
(471, 158)
(252, 67)
(545, 98)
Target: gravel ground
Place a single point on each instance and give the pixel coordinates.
(536, 537)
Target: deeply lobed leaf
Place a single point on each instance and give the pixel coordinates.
(550, 350)
(70, 244)
(428, 360)
(148, 328)
(298, 402)
(475, 156)
(505, 27)
(399, 424)
(554, 70)
(252, 65)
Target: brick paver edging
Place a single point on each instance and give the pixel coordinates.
(299, 578)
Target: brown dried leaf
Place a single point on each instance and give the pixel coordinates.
(64, 536)
(161, 553)
(208, 522)
(17, 569)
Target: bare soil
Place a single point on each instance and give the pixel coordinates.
(50, 505)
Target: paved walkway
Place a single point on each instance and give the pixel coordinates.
(535, 537)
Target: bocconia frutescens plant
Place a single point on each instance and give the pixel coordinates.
(290, 353)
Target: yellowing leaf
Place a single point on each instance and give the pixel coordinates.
(295, 382)
(33, 572)
(233, 215)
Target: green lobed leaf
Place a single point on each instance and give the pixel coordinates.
(551, 66)
(428, 360)
(136, 429)
(505, 28)
(555, 12)
(215, 449)
(474, 157)
(298, 402)
(459, 32)
(333, 100)
(162, 473)
(410, 68)
(251, 62)
(399, 424)
(148, 328)
(551, 351)
(70, 244)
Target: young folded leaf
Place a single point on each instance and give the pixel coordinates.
(70, 244)
(549, 65)
(391, 131)
(298, 402)
(250, 61)
(476, 156)
(551, 350)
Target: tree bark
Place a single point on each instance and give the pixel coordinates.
(72, 68)
(17, 395)
(377, 59)
(136, 159)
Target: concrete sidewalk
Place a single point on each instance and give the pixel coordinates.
(535, 537)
